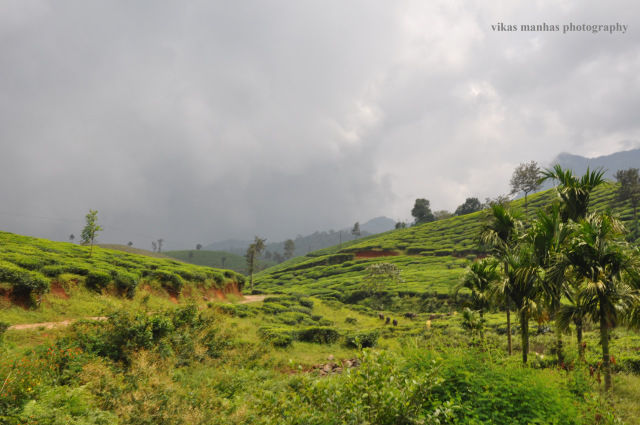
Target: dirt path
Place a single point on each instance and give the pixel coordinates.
(252, 299)
(50, 325)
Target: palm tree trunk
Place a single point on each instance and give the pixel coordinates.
(509, 331)
(559, 348)
(524, 332)
(606, 358)
(579, 338)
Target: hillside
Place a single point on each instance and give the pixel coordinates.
(219, 259)
(431, 257)
(62, 278)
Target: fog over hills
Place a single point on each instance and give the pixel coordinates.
(311, 242)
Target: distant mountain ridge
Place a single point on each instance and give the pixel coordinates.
(308, 243)
(610, 163)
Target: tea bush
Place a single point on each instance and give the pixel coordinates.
(98, 279)
(23, 282)
(362, 339)
(317, 334)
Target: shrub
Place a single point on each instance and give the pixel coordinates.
(351, 320)
(24, 282)
(291, 318)
(362, 339)
(170, 281)
(318, 335)
(277, 337)
(126, 283)
(306, 302)
(98, 279)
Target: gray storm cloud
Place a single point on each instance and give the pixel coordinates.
(210, 120)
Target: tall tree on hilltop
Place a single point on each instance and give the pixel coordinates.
(356, 230)
(160, 242)
(253, 254)
(469, 206)
(289, 248)
(421, 211)
(90, 230)
(526, 179)
(630, 190)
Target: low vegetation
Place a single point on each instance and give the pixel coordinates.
(413, 326)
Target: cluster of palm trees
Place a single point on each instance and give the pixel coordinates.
(569, 264)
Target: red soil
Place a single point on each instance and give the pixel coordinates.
(374, 254)
(58, 290)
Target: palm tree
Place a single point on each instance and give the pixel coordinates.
(574, 192)
(601, 265)
(575, 313)
(500, 235)
(547, 237)
(521, 286)
(479, 279)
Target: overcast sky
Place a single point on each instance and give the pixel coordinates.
(200, 121)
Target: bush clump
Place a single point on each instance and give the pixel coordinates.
(362, 339)
(98, 279)
(276, 336)
(169, 280)
(23, 282)
(318, 335)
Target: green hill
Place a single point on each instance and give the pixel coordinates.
(30, 268)
(431, 257)
(221, 259)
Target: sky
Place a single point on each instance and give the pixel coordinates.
(206, 120)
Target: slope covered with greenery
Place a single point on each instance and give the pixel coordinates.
(29, 266)
(432, 258)
(219, 259)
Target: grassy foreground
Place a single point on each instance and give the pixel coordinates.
(267, 363)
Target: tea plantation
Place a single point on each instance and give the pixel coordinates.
(432, 257)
